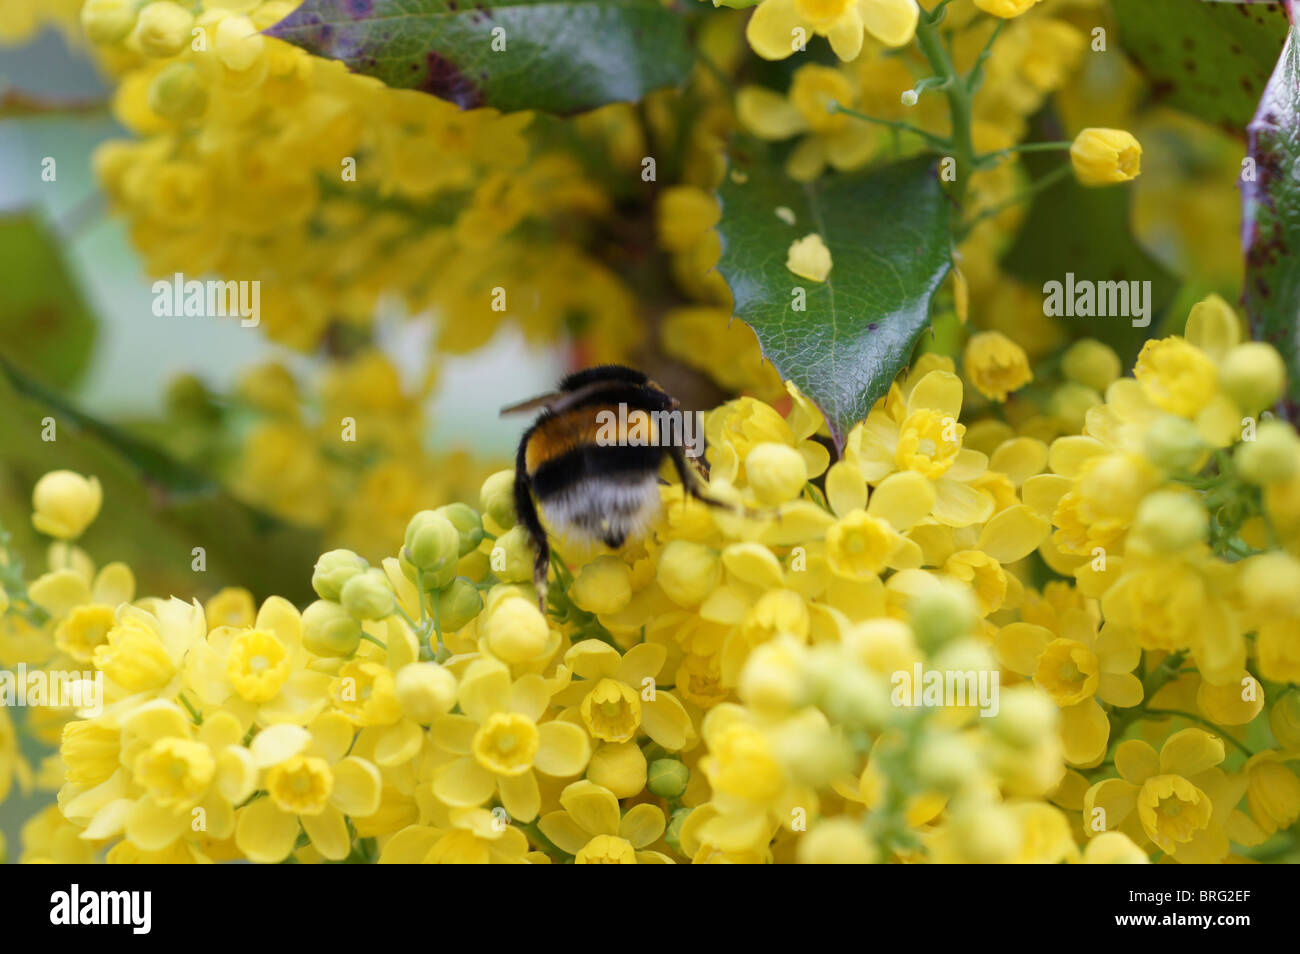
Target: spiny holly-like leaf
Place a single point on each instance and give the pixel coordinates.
(1210, 59)
(44, 323)
(1271, 217)
(559, 57)
(887, 231)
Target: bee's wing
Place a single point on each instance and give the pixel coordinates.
(558, 401)
(533, 404)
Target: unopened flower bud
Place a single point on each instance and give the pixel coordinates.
(1170, 520)
(177, 92)
(1174, 444)
(432, 542)
(1273, 456)
(775, 472)
(667, 778)
(1091, 363)
(1025, 717)
(497, 498)
(512, 556)
(941, 614)
(467, 522)
(688, 572)
(329, 630)
(515, 630)
(108, 21)
(1253, 375)
(369, 595)
(457, 603)
(425, 690)
(603, 586)
(163, 29)
(64, 503)
(333, 569)
(1106, 156)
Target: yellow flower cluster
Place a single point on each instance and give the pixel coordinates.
(377, 193)
(959, 642)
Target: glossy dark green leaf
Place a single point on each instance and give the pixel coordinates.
(1209, 59)
(156, 509)
(1271, 217)
(558, 56)
(887, 231)
(45, 326)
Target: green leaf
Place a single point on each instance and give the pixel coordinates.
(1210, 59)
(559, 56)
(156, 510)
(887, 231)
(1271, 218)
(1073, 229)
(44, 323)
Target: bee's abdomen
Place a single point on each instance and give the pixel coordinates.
(607, 493)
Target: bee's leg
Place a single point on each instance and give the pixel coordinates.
(526, 511)
(687, 471)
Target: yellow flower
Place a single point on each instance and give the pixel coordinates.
(771, 30)
(475, 836)
(1177, 799)
(65, 503)
(1176, 376)
(497, 742)
(310, 780)
(617, 697)
(259, 672)
(996, 365)
(1106, 156)
(1075, 667)
(591, 828)
(922, 434)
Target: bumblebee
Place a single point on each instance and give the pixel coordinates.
(588, 485)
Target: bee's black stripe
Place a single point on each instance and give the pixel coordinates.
(591, 460)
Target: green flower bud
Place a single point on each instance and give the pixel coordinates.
(1253, 375)
(668, 778)
(497, 498)
(941, 614)
(177, 93)
(432, 543)
(467, 523)
(329, 630)
(457, 603)
(425, 691)
(945, 762)
(1175, 445)
(1171, 520)
(163, 29)
(673, 833)
(369, 595)
(1273, 455)
(1091, 363)
(1025, 717)
(333, 569)
(512, 556)
(108, 21)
